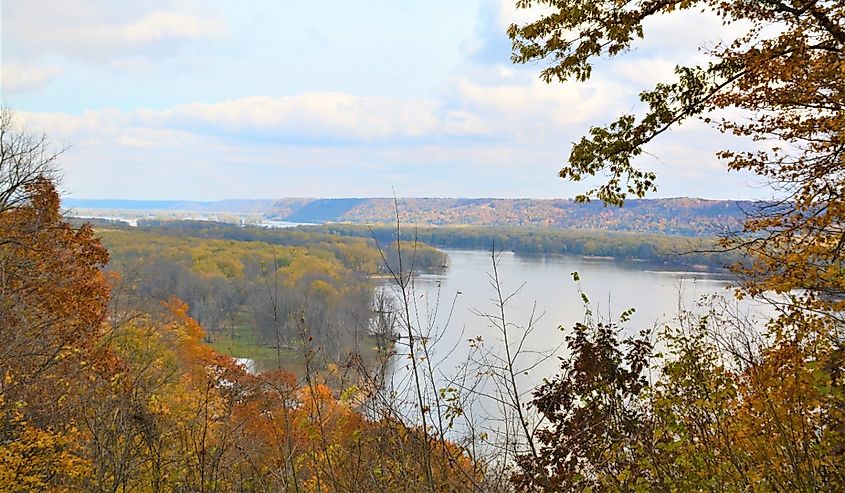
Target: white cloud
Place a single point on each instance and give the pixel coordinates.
(97, 30)
(639, 74)
(18, 78)
(163, 25)
(273, 147)
(319, 117)
(539, 112)
(510, 14)
(684, 32)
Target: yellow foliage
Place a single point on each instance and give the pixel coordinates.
(39, 459)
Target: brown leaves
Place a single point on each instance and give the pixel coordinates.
(54, 294)
(53, 299)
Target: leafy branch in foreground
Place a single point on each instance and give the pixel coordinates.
(783, 75)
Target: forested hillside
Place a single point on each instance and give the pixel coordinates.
(680, 216)
(225, 285)
(363, 253)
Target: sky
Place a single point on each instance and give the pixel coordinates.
(208, 99)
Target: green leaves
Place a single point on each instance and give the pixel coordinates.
(612, 149)
(576, 31)
(626, 315)
(571, 36)
(609, 150)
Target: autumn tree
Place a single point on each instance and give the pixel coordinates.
(770, 418)
(53, 298)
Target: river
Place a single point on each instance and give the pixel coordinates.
(450, 306)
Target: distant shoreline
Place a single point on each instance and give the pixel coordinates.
(673, 216)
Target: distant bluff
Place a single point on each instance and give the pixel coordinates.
(678, 216)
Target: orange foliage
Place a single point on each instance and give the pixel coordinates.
(53, 300)
(139, 402)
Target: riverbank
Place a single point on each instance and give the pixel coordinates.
(667, 251)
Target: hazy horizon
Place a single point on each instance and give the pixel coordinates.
(408, 197)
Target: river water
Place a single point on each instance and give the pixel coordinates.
(450, 307)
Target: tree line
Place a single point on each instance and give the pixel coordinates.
(362, 254)
(251, 287)
(673, 251)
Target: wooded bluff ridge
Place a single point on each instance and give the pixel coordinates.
(678, 216)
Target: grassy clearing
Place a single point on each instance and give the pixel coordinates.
(242, 342)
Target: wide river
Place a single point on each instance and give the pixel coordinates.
(544, 286)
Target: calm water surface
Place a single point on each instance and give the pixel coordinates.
(452, 303)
